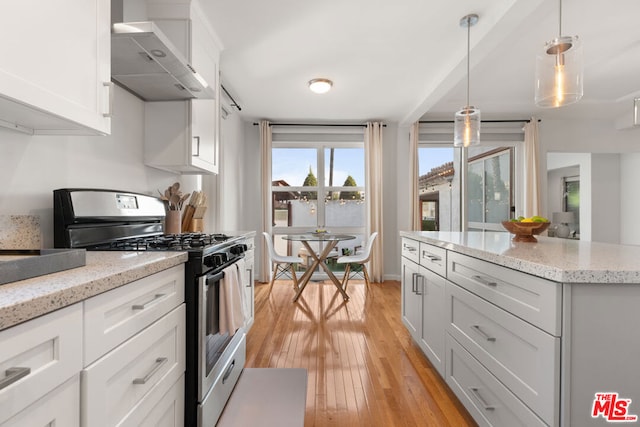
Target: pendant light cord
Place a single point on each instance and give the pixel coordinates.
(468, 68)
(560, 19)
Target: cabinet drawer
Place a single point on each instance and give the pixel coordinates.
(488, 401)
(523, 357)
(433, 258)
(410, 250)
(61, 407)
(114, 316)
(147, 365)
(531, 298)
(160, 411)
(40, 355)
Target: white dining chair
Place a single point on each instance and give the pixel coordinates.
(281, 263)
(361, 259)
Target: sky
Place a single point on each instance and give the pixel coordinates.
(292, 164)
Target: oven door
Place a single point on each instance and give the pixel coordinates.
(216, 352)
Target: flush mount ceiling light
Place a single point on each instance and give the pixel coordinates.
(320, 85)
(466, 125)
(559, 72)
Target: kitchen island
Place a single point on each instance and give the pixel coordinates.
(539, 333)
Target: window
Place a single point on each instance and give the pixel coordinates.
(435, 187)
(571, 200)
(489, 189)
(494, 177)
(318, 184)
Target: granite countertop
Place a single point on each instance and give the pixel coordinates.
(26, 299)
(560, 260)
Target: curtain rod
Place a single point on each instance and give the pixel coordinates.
(317, 124)
(483, 121)
(234, 103)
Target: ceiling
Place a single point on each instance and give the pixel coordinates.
(406, 60)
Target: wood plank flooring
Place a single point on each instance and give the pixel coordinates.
(363, 368)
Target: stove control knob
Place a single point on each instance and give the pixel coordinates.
(238, 249)
(209, 261)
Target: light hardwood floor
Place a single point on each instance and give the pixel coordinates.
(363, 368)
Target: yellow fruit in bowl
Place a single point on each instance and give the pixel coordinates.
(527, 220)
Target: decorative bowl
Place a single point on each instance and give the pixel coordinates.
(525, 231)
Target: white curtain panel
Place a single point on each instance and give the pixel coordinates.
(532, 164)
(265, 147)
(414, 173)
(373, 172)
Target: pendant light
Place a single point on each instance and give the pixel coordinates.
(466, 125)
(559, 72)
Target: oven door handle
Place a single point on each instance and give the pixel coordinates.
(215, 277)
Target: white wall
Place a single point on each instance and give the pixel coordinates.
(630, 199)
(31, 167)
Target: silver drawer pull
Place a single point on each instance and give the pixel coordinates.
(483, 402)
(160, 361)
(431, 257)
(410, 248)
(147, 304)
(484, 281)
(483, 333)
(13, 375)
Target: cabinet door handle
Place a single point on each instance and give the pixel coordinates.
(146, 305)
(413, 282)
(479, 330)
(476, 393)
(409, 248)
(109, 112)
(13, 375)
(431, 257)
(160, 361)
(484, 281)
(197, 150)
(250, 271)
(422, 279)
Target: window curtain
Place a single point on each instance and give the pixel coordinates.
(532, 163)
(265, 147)
(414, 172)
(373, 173)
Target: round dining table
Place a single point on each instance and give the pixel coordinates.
(330, 241)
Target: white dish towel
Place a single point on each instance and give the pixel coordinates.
(231, 301)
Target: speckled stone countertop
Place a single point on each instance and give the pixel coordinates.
(560, 260)
(27, 299)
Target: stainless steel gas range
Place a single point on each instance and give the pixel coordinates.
(108, 220)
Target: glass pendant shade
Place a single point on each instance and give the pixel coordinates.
(466, 127)
(559, 75)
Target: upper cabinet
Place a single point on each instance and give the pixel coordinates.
(183, 136)
(55, 67)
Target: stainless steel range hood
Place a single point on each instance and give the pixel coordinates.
(145, 62)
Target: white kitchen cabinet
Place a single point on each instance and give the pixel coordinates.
(36, 357)
(135, 375)
(184, 136)
(115, 316)
(135, 341)
(60, 407)
(423, 293)
(55, 73)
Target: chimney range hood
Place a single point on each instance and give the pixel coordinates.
(146, 63)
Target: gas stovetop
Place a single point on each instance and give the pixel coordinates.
(196, 242)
